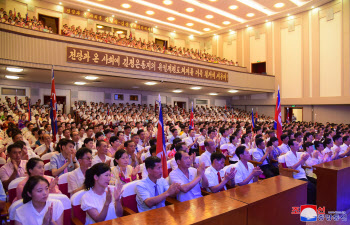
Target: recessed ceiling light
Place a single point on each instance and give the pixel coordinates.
(196, 88)
(88, 10)
(12, 77)
(80, 83)
(99, 26)
(60, 3)
(189, 24)
(167, 2)
(212, 0)
(149, 12)
(279, 5)
(126, 6)
(174, 31)
(206, 29)
(233, 91)
(91, 77)
(215, 35)
(156, 26)
(14, 70)
(135, 21)
(191, 36)
(233, 7)
(112, 15)
(288, 14)
(226, 22)
(213, 93)
(177, 91)
(189, 9)
(312, 7)
(247, 25)
(150, 83)
(209, 16)
(171, 18)
(250, 14)
(119, 32)
(266, 21)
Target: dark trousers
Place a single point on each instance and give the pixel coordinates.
(268, 170)
(232, 162)
(311, 190)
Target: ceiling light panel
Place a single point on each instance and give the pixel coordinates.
(140, 15)
(257, 6)
(174, 13)
(287, 5)
(215, 10)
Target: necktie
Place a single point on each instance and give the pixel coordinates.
(156, 193)
(65, 169)
(267, 158)
(194, 146)
(76, 146)
(59, 137)
(219, 179)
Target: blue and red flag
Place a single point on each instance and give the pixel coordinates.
(253, 123)
(278, 117)
(191, 119)
(161, 149)
(29, 113)
(287, 119)
(53, 107)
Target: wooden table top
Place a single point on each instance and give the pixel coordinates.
(339, 164)
(262, 189)
(189, 212)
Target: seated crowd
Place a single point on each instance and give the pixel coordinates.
(103, 147)
(111, 38)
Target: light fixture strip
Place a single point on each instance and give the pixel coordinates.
(139, 16)
(256, 6)
(298, 3)
(215, 10)
(174, 12)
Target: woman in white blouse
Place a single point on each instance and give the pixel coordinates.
(100, 202)
(123, 172)
(37, 208)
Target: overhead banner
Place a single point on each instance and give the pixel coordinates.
(112, 20)
(92, 57)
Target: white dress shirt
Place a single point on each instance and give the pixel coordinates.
(258, 154)
(146, 189)
(177, 176)
(232, 152)
(242, 172)
(213, 179)
(284, 148)
(224, 140)
(291, 160)
(189, 141)
(205, 157)
(97, 159)
(75, 179)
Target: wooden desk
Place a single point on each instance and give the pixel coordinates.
(270, 201)
(333, 184)
(211, 209)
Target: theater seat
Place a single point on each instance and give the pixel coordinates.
(46, 157)
(129, 198)
(63, 184)
(284, 170)
(12, 188)
(12, 210)
(47, 168)
(66, 205)
(78, 215)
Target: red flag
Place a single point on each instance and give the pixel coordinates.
(29, 113)
(191, 118)
(161, 149)
(278, 117)
(225, 107)
(53, 106)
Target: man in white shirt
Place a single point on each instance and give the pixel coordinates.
(76, 138)
(185, 134)
(295, 160)
(209, 149)
(260, 154)
(231, 149)
(174, 135)
(76, 178)
(47, 147)
(345, 148)
(246, 172)
(217, 178)
(191, 179)
(203, 135)
(284, 146)
(337, 147)
(192, 141)
(224, 136)
(101, 156)
(152, 191)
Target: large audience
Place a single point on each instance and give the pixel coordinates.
(111, 38)
(103, 147)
